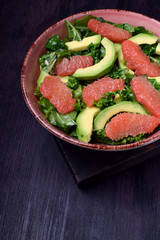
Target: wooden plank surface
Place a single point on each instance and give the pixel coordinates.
(39, 199)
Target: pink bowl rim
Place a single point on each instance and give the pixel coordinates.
(58, 133)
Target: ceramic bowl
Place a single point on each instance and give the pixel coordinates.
(30, 71)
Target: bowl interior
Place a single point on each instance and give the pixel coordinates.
(30, 70)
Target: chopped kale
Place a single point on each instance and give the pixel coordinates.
(47, 61)
(155, 84)
(155, 60)
(149, 49)
(100, 136)
(63, 122)
(106, 101)
(61, 53)
(37, 92)
(73, 33)
(54, 43)
(121, 73)
(79, 105)
(72, 83)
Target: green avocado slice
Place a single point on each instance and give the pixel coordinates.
(41, 77)
(158, 49)
(85, 123)
(104, 115)
(117, 47)
(157, 79)
(103, 67)
(44, 74)
(84, 43)
(144, 38)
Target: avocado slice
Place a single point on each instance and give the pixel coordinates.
(158, 49)
(44, 74)
(64, 79)
(144, 38)
(100, 69)
(157, 79)
(104, 115)
(83, 44)
(41, 78)
(117, 47)
(85, 123)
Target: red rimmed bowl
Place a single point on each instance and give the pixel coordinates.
(30, 72)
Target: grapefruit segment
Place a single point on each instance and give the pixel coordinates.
(94, 91)
(138, 61)
(147, 95)
(67, 67)
(58, 94)
(114, 34)
(130, 124)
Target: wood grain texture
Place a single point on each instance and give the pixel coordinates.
(39, 199)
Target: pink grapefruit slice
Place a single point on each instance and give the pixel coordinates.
(114, 34)
(138, 61)
(130, 124)
(94, 91)
(67, 66)
(58, 94)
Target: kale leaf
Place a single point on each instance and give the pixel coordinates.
(149, 49)
(96, 53)
(81, 26)
(126, 94)
(126, 27)
(111, 98)
(156, 60)
(63, 122)
(100, 136)
(61, 53)
(72, 83)
(37, 92)
(79, 105)
(106, 101)
(47, 61)
(74, 133)
(73, 33)
(82, 22)
(154, 82)
(121, 73)
(77, 93)
(54, 43)
(140, 29)
(85, 32)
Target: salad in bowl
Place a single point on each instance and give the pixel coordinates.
(98, 83)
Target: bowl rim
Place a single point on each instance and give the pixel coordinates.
(60, 134)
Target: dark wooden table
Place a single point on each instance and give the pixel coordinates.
(39, 200)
